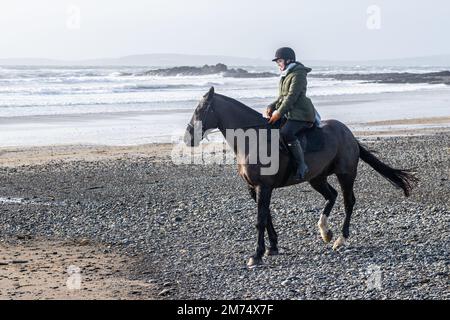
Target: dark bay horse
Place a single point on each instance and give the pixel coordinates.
(339, 155)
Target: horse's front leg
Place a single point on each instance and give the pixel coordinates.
(263, 195)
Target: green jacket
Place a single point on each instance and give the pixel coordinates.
(292, 101)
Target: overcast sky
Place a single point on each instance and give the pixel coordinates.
(317, 29)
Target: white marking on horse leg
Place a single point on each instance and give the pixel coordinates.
(339, 242)
(323, 228)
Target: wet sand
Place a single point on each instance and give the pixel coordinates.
(42, 269)
(435, 120)
(12, 157)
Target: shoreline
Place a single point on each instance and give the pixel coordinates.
(139, 128)
(159, 152)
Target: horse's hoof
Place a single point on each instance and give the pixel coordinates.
(254, 262)
(326, 235)
(340, 242)
(271, 252)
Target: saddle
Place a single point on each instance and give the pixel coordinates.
(312, 139)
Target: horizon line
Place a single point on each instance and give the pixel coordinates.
(221, 55)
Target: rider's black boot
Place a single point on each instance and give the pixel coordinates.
(297, 151)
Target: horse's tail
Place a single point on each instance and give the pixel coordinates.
(402, 179)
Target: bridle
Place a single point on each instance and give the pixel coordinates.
(208, 111)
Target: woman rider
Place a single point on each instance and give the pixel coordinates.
(293, 104)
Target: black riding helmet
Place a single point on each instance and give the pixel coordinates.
(285, 53)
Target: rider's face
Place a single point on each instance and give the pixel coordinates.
(281, 64)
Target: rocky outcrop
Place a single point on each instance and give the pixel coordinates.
(219, 68)
(442, 77)
(241, 73)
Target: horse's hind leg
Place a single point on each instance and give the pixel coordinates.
(346, 181)
(321, 185)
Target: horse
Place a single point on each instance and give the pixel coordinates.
(339, 155)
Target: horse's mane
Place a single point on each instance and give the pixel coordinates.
(253, 114)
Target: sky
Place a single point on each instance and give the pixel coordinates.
(316, 29)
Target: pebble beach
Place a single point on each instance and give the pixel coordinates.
(186, 231)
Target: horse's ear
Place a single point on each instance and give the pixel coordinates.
(208, 96)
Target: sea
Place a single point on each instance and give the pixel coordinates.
(120, 105)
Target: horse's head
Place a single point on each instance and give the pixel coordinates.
(203, 119)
